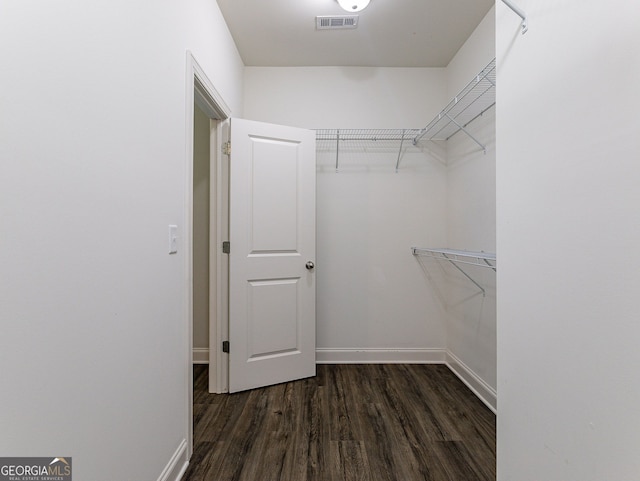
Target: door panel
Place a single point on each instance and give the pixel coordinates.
(274, 174)
(274, 318)
(272, 234)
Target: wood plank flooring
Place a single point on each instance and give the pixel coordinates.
(371, 422)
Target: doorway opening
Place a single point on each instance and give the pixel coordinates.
(206, 113)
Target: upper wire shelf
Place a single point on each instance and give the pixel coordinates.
(474, 100)
(392, 140)
(365, 135)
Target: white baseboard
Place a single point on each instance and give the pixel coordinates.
(474, 382)
(177, 464)
(200, 355)
(373, 356)
(485, 393)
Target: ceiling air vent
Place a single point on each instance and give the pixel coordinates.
(336, 23)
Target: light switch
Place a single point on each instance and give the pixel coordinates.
(173, 239)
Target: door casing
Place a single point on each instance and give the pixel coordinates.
(200, 91)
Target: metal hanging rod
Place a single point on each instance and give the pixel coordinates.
(455, 257)
(473, 101)
(518, 12)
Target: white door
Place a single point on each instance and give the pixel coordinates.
(271, 265)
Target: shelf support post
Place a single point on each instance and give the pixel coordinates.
(484, 149)
(518, 12)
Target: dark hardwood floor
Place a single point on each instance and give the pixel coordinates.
(371, 422)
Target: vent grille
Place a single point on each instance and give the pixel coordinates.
(336, 23)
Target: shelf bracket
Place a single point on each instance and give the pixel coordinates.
(518, 12)
(337, 148)
(484, 294)
(490, 265)
(484, 149)
(400, 152)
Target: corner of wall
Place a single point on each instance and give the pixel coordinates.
(474, 55)
(480, 388)
(471, 224)
(177, 465)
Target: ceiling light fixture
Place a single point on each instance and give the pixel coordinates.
(353, 5)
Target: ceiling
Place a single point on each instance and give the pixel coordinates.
(390, 33)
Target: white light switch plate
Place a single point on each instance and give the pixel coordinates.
(173, 239)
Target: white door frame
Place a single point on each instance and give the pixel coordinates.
(200, 91)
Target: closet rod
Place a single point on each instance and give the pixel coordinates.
(520, 13)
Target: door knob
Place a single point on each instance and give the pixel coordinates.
(309, 265)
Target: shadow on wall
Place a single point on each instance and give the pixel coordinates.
(378, 157)
(452, 288)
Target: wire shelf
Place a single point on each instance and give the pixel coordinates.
(475, 99)
(456, 257)
(365, 135)
(480, 259)
(395, 141)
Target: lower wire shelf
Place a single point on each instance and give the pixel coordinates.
(455, 257)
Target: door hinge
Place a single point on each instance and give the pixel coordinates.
(225, 346)
(226, 247)
(226, 148)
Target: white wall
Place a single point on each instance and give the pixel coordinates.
(372, 293)
(201, 222)
(473, 56)
(344, 97)
(94, 331)
(471, 222)
(568, 235)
